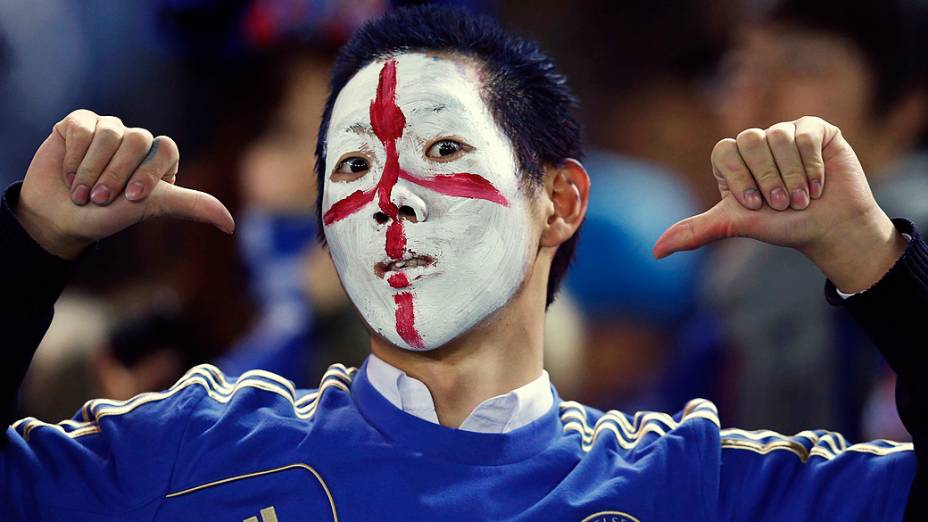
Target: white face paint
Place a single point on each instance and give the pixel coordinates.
(435, 235)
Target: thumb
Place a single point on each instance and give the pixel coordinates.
(183, 203)
(719, 222)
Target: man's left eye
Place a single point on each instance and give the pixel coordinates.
(444, 149)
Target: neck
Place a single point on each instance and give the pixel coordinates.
(501, 354)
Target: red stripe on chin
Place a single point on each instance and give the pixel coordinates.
(405, 320)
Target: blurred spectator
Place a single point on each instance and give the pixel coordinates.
(59, 379)
(240, 85)
(300, 330)
(632, 305)
(641, 71)
(860, 65)
(147, 352)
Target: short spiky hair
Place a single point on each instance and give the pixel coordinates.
(528, 98)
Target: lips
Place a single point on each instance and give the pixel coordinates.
(398, 272)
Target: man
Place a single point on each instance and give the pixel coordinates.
(449, 201)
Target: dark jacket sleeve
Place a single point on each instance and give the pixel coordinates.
(891, 312)
(31, 280)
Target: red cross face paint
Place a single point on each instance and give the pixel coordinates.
(422, 209)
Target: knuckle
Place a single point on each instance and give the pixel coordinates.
(741, 179)
(723, 154)
(108, 132)
(806, 141)
(76, 128)
(794, 177)
(750, 137)
(137, 138)
(111, 121)
(812, 121)
(768, 177)
(778, 135)
(79, 115)
(814, 167)
(79, 134)
(110, 177)
(86, 173)
(723, 147)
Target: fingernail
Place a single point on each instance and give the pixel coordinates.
(100, 194)
(816, 187)
(752, 198)
(778, 198)
(135, 190)
(80, 194)
(70, 178)
(800, 199)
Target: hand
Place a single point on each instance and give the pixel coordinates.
(93, 177)
(772, 184)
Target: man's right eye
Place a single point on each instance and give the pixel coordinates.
(350, 169)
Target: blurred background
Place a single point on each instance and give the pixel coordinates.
(240, 85)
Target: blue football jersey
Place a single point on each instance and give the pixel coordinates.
(254, 449)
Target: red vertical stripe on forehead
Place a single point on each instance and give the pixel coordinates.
(387, 119)
(406, 320)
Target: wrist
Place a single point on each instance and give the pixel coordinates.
(47, 235)
(857, 254)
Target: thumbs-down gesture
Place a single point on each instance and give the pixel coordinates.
(93, 177)
(796, 184)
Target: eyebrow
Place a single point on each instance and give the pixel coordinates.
(359, 128)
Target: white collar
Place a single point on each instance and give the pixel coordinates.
(500, 414)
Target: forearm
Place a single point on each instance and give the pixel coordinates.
(892, 313)
(31, 280)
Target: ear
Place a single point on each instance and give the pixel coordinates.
(567, 188)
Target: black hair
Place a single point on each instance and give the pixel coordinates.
(528, 97)
(892, 36)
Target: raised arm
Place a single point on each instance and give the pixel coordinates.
(799, 184)
(91, 178)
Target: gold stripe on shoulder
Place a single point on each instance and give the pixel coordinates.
(827, 445)
(629, 434)
(216, 386)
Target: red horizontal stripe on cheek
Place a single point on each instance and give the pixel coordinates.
(347, 206)
(461, 185)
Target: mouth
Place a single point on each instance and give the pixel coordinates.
(399, 272)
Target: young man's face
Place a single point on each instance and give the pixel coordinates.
(422, 207)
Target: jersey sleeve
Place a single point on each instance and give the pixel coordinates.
(112, 461)
(813, 475)
(892, 313)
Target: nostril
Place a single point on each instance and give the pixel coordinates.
(407, 212)
(381, 218)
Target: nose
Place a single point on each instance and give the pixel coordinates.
(409, 206)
